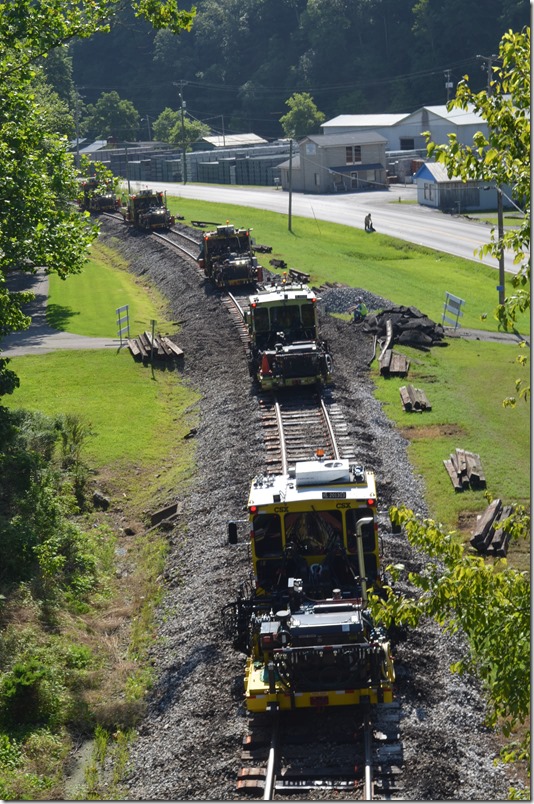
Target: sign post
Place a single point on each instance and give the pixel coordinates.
(453, 305)
(123, 322)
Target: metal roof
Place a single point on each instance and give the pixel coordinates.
(347, 138)
(94, 146)
(234, 140)
(365, 120)
(438, 172)
(460, 117)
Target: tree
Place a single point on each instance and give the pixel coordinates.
(187, 131)
(303, 116)
(501, 159)
(164, 124)
(40, 226)
(112, 118)
(171, 128)
(488, 601)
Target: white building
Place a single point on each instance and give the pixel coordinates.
(404, 132)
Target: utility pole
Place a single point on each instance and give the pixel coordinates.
(182, 107)
(489, 65)
(448, 82)
(500, 226)
(147, 118)
(77, 123)
(290, 188)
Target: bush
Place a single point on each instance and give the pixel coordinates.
(30, 695)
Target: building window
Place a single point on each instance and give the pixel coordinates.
(353, 154)
(407, 144)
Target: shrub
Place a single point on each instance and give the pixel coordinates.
(30, 695)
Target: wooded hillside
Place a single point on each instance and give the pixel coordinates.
(244, 58)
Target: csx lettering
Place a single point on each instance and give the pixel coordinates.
(343, 505)
(282, 509)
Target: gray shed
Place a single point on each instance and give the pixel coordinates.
(328, 163)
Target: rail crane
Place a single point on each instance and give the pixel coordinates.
(285, 347)
(303, 618)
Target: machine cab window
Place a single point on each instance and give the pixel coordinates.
(368, 531)
(261, 319)
(267, 534)
(307, 312)
(314, 533)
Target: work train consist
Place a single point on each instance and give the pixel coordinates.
(228, 259)
(302, 617)
(285, 346)
(147, 210)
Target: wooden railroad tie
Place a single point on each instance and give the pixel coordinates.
(465, 470)
(414, 398)
(299, 276)
(392, 362)
(278, 263)
(489, 535)
(145, 348)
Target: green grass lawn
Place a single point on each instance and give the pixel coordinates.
(86, 303)
(402, 272)
(137, 418)
(465, 383)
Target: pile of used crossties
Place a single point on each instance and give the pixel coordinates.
(409, 326)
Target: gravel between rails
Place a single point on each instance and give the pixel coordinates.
(189, 743)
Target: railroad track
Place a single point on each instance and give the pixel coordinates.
(356, 752)
(344, 749)
(183, 242)
(296, 426)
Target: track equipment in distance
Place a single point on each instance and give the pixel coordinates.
(227, 257)
(303, 619)
(285, 347)
(94, 198)
(147, 210)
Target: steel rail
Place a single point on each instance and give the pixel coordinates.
(270, 776)
(280, 423)
(236, 305)
(176, 245)
(330, 429)
(368, 770)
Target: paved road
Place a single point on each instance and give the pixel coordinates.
(452, 234)
(40, 338)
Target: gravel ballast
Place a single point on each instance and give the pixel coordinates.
(189, 742)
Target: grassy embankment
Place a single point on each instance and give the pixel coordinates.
(140, 459)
